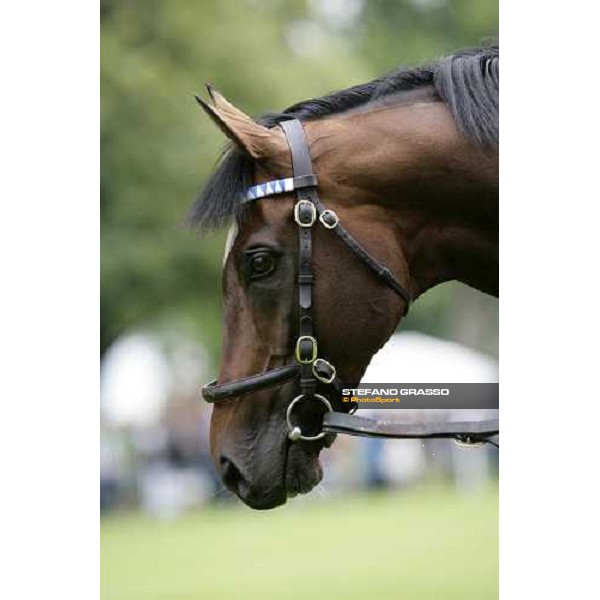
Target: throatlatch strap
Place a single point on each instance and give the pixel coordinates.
(380, 270)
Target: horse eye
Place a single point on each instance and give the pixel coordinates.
(261, 264)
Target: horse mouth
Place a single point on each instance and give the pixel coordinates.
(302, 471)
(277, 468)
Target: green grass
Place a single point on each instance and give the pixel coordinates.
(427, 543)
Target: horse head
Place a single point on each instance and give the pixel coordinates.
(353, 314)
(416, 190)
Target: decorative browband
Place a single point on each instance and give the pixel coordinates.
(279, 186)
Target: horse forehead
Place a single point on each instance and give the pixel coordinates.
(276, 211)
(265, 213)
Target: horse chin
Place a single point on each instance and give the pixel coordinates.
(303, 469)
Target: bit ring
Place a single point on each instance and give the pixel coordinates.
(295, 432)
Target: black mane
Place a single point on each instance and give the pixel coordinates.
(467, 82)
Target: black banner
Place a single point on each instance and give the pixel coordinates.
(423, 395)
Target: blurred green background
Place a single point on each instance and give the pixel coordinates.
(426, 544)
(435, 540)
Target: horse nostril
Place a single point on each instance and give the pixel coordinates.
(232, 477)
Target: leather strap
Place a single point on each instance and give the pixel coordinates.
(299, 149)
(302, 168)
(214, 392)
(465, 431)
(380, 270)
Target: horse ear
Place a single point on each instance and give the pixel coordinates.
(258, 141)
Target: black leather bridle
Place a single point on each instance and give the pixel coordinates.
(311, 369)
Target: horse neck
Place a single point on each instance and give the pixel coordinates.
(439, 191)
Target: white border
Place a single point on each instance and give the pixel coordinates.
(50, 292)
(549, 267)
(549, 307)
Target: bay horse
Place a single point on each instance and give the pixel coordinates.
(409, 163)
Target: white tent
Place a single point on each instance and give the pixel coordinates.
(413, 357)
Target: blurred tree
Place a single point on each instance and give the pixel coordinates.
(158, 148)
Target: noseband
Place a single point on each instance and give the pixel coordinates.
(311, 369)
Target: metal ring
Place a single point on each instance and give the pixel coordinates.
(320, 377)
(329, 213)
(295, 433)
(313, 213)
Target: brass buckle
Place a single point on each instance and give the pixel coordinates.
(313, 357)
(329, 213)
(322, 361)
(313, 213)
